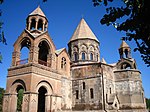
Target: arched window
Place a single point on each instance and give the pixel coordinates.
(126, 66)
(33, 22)
(83, 56)
(91, 93)
(110, 90)
(126, 53)
(63, 63)
(75, 57)
(24, 54)
(43, 53)
(91, 56)
(40, 24)
(24, 51)
(77, 94)
(83, 85)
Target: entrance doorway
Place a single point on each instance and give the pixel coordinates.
(41, 99)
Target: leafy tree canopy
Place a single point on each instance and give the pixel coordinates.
(2, 38)
(1, 97)
(1, 94)
(19, 100)
(148, 103)
(136, 25)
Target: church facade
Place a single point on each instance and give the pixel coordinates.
(75, 80)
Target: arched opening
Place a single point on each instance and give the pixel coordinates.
(83, 56)
(83, 85)
(40, 25)
(43, 53)
(41, 99)
(110, 90)
(97, 57)
(91, 56)
(63, 63)
(75, 57)
(20, 91)
(91, 93)
(77, 94)
(33, 22)
(126, 53)
(126, 66)
(24, 51)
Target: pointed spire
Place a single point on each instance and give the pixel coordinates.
(37, 11)
(103, 61)
(124, 50)
(83, 31)
(124, 44)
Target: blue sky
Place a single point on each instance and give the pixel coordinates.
(64, 16)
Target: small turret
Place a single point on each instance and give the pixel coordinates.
(124, 50)
(37, 21)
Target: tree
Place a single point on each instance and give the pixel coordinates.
(135, 22)
(1, 97)
(19, 100)
(148, 103)
(2, 38)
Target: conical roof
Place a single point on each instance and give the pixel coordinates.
(37, 11)
(124, 44)
(83, 31)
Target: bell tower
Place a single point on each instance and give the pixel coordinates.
(37, 77)
(128, 83)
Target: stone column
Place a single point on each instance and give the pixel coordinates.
(25, 103)
(30, 102)
(36, 24)
(49, 60)
(55, 103)
(46, 26)
(33, 56)
(47, 103)
(43, 27)
(6, 102)
(13, 103)
(33, 102)
(29, 25)
(15, 58)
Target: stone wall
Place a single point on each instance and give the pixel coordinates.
(66, 92)
(87, 86)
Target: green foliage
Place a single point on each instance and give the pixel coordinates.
(1, 97)
(44, 0)
(148, 103)
(2, 38)
(19, 100)
(136, 23)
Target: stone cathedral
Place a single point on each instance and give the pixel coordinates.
(75, 80)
